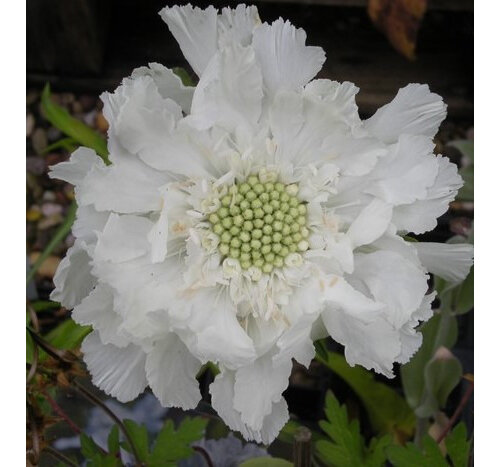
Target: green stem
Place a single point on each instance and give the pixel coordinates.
(59, 236)
(59, 456)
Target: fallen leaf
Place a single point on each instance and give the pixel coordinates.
(399, 20)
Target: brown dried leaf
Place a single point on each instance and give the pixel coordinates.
(399, 20)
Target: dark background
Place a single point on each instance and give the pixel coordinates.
(90, 45)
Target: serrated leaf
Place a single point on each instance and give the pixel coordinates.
(346, 445)
(440, 330)
(88, 446)
(139, 435)
(172, 445)
(101, 460)
(457, 446)
(411, 456)
(67, 335)
(61, 119)
(266, 462)
(114, 440)
(387, 410)
(376, 456)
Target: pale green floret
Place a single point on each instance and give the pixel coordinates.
(260, 224)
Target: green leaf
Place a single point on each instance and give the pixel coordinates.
(266, 462)
(114, 440)
(457, 446)
(139, 436)
(411, 456)
(61, 233)
(61, 119)
(68, 335)
(440, 330)
(89, 447)
(44, 305)
(102, 460)
(376, 456)
(346, 445)
(172, 445)
(70, 144)
(387, 410)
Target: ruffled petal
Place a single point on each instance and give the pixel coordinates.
(96, 310)
(421, 216)
(237, 25)
(222, 391)
(451, 261)
(407, 173)
(123, 238)
(171, 372)
(73, 279)
(196, 32)
(213, 319)
(119, 372)
(257, 387)
(88, 222)
(169, 85)
(77, 167)
(371, 223)
(286, 62)
(230, 92)
(414, 111)
(129, 186)
(391, 280)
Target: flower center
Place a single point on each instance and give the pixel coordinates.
(261, 224)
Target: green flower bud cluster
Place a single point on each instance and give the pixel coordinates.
(260, 224)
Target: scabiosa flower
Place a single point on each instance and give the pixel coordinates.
(247, 216)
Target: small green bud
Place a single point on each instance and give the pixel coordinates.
(277, 237)
(253, 180)
(286, 229)
(256, 233)
(224, 249)
(276, 248)
(269, 257)
(292, 189)
(274, 195)
(288, 240)
(295, 227)
(301, 220)
(294, 212)
(234, 253)
(218, 229)
(248, 226)
(275, 204)
(266, 239)
(245, 264)
(226, 200)
(235, 242)
(268, 219)
(278, 262)
(267, 229)
(225, 237)
(244, 188)
(234, 210)
(259, 262)
(251, 196)
(227, 222)
(259, 213)
(279, 187)
(285, 197)
(279, 215)
(269, 187)
(284, 251)
(277, 225)
(259, 188)
(264, 197)
(245, 257)
(294, 202)
(297, 237)
(248, 214)
(258, 223)
(266, 249)
(246, 248)
(255, 244)
(234, 230)
(302, 209)
(213, 218)
(267, 268)
(238, 220)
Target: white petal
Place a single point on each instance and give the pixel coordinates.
(123, 238)
(171, 372)
(286, 62)
(371, 223)
(338, 293)
(339, 99)
(129, 186)
(392, 280)
(421, 216)
(213, 320)
(237, 25)
(87, 222)
(375, 345)
(77, 167)
(97, 310)
(141, 287)
(257, 387)
(451, 261)
(196, 32)
(73, 279)
(222, 391)
(230, 92)
(119, 372)
(168, 83)
(406, 174)
(414, 111)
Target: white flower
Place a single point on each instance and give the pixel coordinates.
(241, 219)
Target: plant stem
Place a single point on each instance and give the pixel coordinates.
(458, 411)
(65, 460)
(204, 454)
(96, 401)
(59, 411)
(302, 447)
(58, 237)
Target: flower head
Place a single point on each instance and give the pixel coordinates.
(247, 216)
